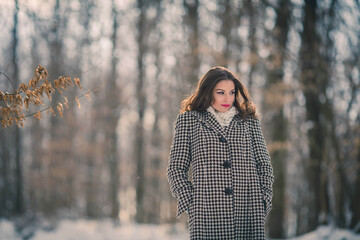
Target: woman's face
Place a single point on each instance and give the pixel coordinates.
(223, 95)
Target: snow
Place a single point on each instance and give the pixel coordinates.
(99, 230)
(106, 230)
(7, 231)
(329, 233)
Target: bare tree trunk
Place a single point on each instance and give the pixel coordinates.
(19, 198)
(35, 176)
(155, 167)
(341, 191)
(191, 20)
(309, 48)
(112, 113)
(54, 199)
(352, 136)
(253, 58)
(226, 28)
(354, 204)
(350, 143)
(314, 80)
(141, 101)
(92, 209)
(278, 123)
(154, 189)
(61, 168)
(5, 184)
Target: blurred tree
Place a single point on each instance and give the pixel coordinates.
(355, 193)
(92, 149)
(251, 10)
(61, 168)
(191, 22)
(141, 105)
(37, 131)
(6, 193)
(314, 80)
(154, 189)
(225, 13)
(11, 189)
(333, 154)
(19, 199)
(112, 111)
(274, 101)
(349, 143)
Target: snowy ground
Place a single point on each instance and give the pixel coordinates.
(104, 230)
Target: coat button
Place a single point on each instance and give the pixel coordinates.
(227, 164)
(228, 191)
(223, 140)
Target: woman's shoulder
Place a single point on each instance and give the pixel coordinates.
(190, 117)
(189, 114)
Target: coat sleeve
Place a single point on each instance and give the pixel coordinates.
(179, 163)
(264, 167)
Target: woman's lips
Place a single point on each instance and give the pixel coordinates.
(225, 105)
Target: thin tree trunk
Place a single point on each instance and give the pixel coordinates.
(141, 101)
(92, 209)
(226, 28)
(156, 142)
(278, 123)
(19, 198)
(253, 58)
(341, 190)
(54, 199)
(354, 205)
(61, 131)
(314, 82)
(5, 194)
(112, 114)
(191, 20)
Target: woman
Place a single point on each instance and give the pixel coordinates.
(218, 133)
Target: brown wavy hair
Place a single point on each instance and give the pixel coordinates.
(202, 98)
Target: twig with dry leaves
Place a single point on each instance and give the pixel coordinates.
(32, 93)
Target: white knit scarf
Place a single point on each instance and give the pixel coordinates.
(224, 118)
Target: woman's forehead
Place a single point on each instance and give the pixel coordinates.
(225, 85)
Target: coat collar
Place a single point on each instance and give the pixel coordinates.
(209, 121)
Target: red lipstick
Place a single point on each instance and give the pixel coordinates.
(225, 105)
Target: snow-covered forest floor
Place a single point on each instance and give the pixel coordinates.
(105, 230)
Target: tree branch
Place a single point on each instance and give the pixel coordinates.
(71, 99)
(8, 80)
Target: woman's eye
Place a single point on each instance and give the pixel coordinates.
(220, 92)
(232, 93)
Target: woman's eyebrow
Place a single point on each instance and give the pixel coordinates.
(224, 90)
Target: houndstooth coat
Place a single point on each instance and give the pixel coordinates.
(231, 190)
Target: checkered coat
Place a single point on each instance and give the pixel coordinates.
(231, 189)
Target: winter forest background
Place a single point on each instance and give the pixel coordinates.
(107, 160)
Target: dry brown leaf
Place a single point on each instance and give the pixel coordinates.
(52, 111)
(78, 102)
(61, 106)
(26, 102)
(37, 115)
(88, 95)
(77, 82)
(68, 79)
